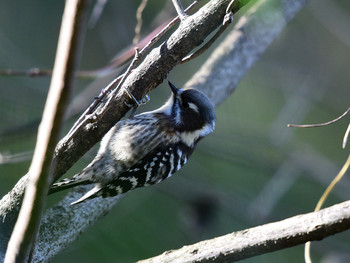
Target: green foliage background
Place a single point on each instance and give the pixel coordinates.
(251, 170)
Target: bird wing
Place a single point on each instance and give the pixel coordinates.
(65, 184)
(152, 169)
(94, 192)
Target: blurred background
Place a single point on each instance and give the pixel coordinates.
(250, 171)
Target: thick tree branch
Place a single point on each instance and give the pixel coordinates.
(63, 223)
(218, 81)
(263, 239)
(148, 75)
(242, 62)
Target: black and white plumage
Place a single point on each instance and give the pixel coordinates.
(148, 148)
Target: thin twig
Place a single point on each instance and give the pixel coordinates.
(86, 117)
(324, 196)
(125, 75)
(230, 7)
(332, 184)
(164, 30)
(179, 9)
(67, 153)
(320, 124)
(205, 46)
(145, 44)
(228, 19)
(87, 113)
(346, 136)
(323, 199)
(27, 224)
(34, 72)
(139, 21)
(15, 158)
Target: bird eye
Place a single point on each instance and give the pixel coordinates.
(184, 104)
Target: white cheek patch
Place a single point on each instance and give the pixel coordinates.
(193, 107)
(190, 137)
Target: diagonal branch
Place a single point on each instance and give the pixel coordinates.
(27, 225)
(212, 72)
(147, 76)
(263, 239)
(218, 78)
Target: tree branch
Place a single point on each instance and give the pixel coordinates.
(179, 9)
(62, 224)
(252, 34)
(27, 225)
(263, 239)
(218, 81)
(148, 75)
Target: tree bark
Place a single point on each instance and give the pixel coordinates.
(263, 239)
(218, 78)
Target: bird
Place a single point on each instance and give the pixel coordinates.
(146, 148)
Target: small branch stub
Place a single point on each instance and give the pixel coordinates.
(179, 9)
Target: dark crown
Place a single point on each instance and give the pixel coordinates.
(192, 109)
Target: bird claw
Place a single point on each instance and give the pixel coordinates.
(134, 107)
(144, 100)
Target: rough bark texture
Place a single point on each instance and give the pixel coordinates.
(218, 78)
(263, 239)
(63, 223)
(148, 75)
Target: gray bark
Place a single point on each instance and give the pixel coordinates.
(218, 78)
(263, 239)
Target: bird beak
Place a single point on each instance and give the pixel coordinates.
(175, 90)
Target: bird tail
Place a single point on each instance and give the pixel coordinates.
(75, 181)
(67, 183)
(94, 192)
